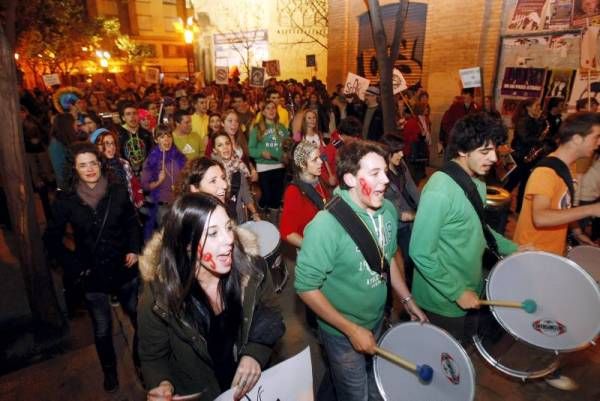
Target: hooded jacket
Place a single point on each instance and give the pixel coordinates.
(172, 349)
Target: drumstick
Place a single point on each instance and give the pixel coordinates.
(529, 305)
(424, 372)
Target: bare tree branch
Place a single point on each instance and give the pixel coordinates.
(399, 29)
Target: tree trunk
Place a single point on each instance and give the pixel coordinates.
(385, 67)
(19, 195)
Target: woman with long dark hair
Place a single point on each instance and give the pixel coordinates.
(107, 241)
(62, 135)
(207, 316)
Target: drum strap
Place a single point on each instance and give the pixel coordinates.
(464, 181)
(562, 170)
(360, 234)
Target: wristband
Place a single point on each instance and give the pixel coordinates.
(406, 299)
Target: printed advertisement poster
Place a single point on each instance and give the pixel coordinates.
(580, 88)
(585, 12)
(559, 14)
(528, 16)
(523, 82)
(559, 84)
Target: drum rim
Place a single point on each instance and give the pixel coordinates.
(462, 350)
(584, 344)
(495, 363)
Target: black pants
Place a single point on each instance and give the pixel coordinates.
(271, 187)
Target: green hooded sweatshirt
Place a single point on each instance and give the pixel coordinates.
(271, 142)
(330, 261)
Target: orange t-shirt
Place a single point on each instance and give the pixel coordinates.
(543, 181)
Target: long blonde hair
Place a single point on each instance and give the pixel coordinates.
(261, 123)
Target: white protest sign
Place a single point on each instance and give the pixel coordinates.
(356, 84)
(288, 380)
(222, 75)
(470, 77)
(257, 77)
(398, 81)
(51, 79)
(152, 75)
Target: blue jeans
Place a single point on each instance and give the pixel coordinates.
(351, 372)
(98, 304)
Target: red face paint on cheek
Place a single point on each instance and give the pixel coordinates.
(207, 257)
(365, 189)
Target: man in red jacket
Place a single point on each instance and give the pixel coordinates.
(463, 105)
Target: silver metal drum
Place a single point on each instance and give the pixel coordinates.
(453, 373)
(588, 257)
(567, 297)
(269, 245)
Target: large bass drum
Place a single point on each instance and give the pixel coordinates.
(423, 343)
(566, 318)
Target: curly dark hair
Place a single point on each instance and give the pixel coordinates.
(349, 157)
(473, 131)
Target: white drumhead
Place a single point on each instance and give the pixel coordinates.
(568, 300)
(453, 373)
(588, 257)
(267, 233)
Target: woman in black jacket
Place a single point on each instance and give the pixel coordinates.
(207, 317)
(107, 241)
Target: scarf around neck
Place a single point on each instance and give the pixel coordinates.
(233, 165)
(92, 196)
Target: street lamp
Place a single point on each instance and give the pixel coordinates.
(188, 29)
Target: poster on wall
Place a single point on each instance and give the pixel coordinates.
(580, 88)
(528, 16)
(523, 82)
(559, 83)
(525, 41)
(288, 380)
(585, 12)
(559, 15)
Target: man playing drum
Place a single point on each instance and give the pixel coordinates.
(547, 213)
(334, 279)
(448, 242)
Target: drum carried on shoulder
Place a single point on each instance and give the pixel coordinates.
(555, 309)
(269, 244)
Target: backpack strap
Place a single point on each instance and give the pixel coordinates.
(562, 170)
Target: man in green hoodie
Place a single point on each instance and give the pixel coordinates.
(335, 281)
(447, 242)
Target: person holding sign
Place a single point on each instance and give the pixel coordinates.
(207, 317)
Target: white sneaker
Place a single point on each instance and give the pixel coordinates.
(562, 382)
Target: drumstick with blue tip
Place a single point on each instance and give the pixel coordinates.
(528, 305)
(424, 372)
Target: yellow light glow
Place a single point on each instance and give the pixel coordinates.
(106, 55)
(190, 21)
(103, 63)
(84, 49)
(17, 56)
(188, 36)
(98, 54)
(89, 80)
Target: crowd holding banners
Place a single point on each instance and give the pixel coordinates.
(250, 142)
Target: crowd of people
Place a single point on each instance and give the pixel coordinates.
(157, 182)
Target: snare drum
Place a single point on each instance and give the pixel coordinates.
(453, 373)
(269, 245)
(568, 300)
(588, 257)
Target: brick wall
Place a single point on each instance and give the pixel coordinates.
(458, 35)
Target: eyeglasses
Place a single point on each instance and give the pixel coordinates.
(83, 166)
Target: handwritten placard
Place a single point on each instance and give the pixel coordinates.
(51, 80)
(470, 77)
(355, 84)
(398, 81)
(257, 77)
(222, 75)
(288, 380)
